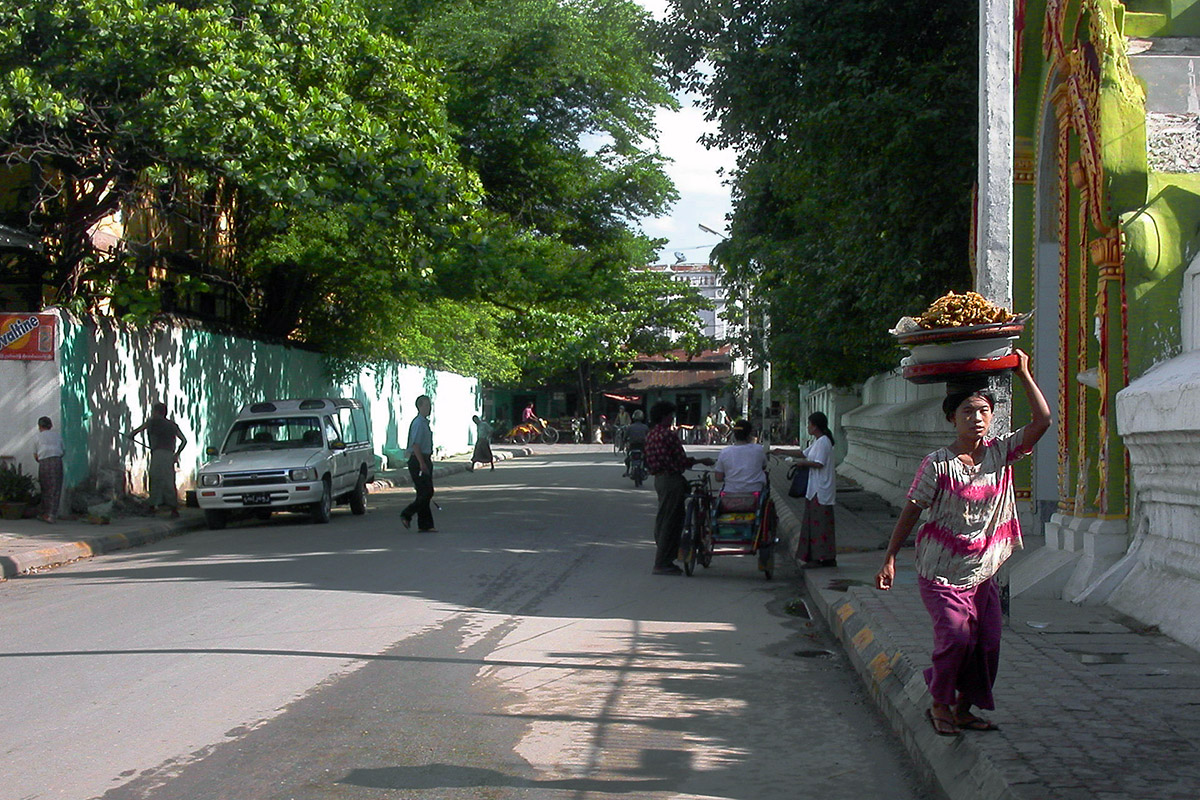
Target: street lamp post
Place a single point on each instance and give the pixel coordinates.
(745, 398)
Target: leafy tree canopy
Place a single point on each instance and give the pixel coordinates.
(295, 107)
(855, 126)
(414, 181)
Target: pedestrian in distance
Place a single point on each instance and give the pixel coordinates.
(666, 461)
(971, 529)
(420, 467)
(166, 443)
(817, 546)
(483, 444)
(48, 453)
(742, 466)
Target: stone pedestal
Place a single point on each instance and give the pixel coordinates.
(1158, 417)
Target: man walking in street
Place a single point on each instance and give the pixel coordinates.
(667, 462)
(420, 467)
(163, 433)
(48, 453)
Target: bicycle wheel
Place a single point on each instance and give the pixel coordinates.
(550, 435)
(705, 550)
(691, 535)
(766, 561)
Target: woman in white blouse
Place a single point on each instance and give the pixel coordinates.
(818, 543)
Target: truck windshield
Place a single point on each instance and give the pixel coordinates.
(277, 433)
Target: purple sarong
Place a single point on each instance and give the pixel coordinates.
(966, 642)
(50, 481)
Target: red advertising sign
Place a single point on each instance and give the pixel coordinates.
(27, 336)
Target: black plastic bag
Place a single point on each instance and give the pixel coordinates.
(798, 475)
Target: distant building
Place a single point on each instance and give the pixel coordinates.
(705, 280)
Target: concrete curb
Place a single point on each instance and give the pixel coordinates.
(88, 546)
(157, 530)
(957, 766)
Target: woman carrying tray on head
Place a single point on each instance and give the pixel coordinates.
(972, 528)
(818, 542)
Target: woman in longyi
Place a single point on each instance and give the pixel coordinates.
(971, 529)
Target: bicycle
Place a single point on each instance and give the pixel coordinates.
(728, 524)
(528, 431)
(696, 543)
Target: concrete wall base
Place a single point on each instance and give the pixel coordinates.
(1042, 573)
(1158, 416)
(1161, 597)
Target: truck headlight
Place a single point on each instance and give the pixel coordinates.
(211, 479)
(306, 474)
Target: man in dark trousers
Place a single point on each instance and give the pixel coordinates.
(667, 462)
(163, 434)
(420, 467)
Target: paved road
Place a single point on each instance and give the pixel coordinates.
(524, 651)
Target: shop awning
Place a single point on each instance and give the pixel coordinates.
(623, 398)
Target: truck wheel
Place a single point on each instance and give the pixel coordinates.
(323, 508)
(216, 518)
(358, 499)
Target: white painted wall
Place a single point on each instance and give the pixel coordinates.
(897, 425)
(28, 390)
(1158, 417)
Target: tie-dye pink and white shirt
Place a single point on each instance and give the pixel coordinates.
(971, 524)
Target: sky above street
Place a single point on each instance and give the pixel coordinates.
(703, 196)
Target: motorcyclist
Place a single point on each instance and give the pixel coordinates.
(635, 436)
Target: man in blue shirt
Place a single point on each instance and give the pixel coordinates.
(420, 467)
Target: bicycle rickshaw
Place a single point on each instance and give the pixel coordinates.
(727, 525)
(527, 432)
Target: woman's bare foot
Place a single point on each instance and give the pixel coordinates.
(942, 719)
(967, 721)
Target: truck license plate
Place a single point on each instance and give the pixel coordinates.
(256, 499)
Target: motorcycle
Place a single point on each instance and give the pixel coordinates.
(637, 467)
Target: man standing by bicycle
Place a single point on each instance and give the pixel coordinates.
(666, 461)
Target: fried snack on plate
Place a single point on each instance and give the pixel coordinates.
(959, 310)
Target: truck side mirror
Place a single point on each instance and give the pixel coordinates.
(211, 451)
(337, 444)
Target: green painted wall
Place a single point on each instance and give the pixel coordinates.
(112, 373)
(1161, 239)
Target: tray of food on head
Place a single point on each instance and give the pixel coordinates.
(942, 372)
(960, 318)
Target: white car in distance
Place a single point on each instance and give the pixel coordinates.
(289, 455)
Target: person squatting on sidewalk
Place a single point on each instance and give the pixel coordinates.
(48, 453)
(667, 462)
(971, 529)
(164, 455)
(420, 467)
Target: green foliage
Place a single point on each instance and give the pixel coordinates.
(421, 181)
(856, 127)
(297, 106)
(553, 106)
(15, 485)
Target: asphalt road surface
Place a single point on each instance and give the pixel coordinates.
(523, 651)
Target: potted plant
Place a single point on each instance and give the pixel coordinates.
(16, 490)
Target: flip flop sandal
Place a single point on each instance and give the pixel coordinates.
(935, 721)
(974, 723)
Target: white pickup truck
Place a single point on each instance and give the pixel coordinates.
(289, 455)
